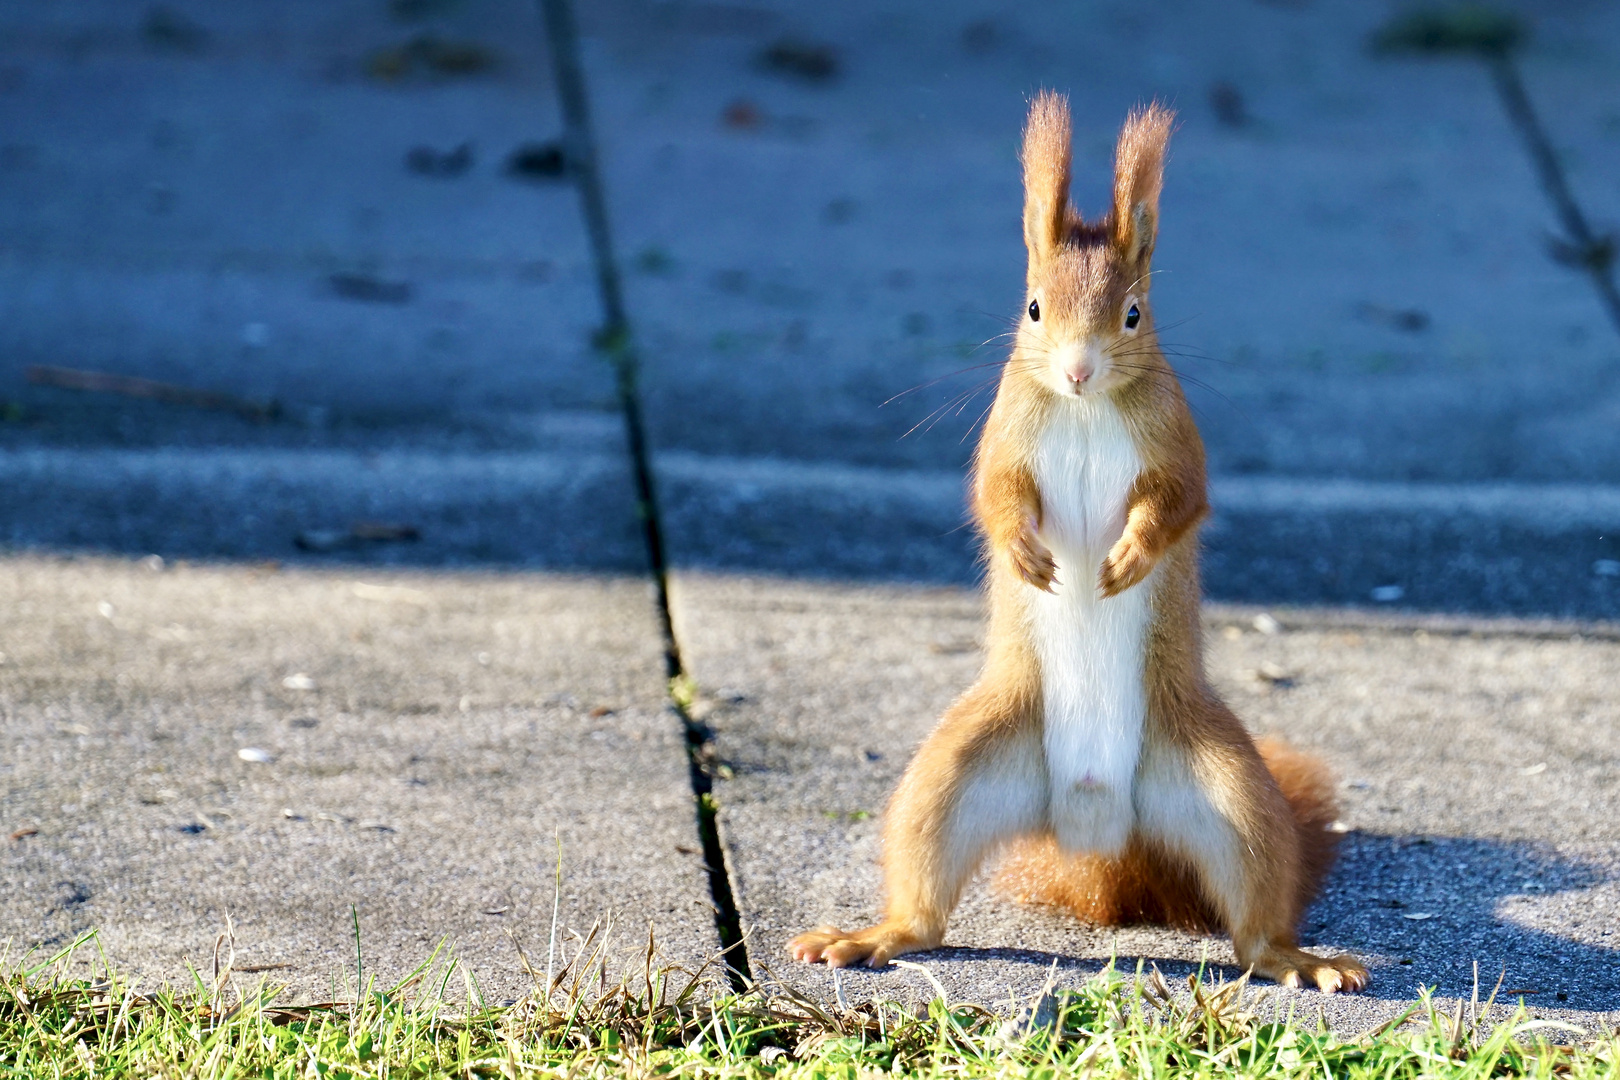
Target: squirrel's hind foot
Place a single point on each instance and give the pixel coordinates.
(1296, 967)
(876, 945)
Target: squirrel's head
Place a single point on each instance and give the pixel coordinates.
(1086, 326)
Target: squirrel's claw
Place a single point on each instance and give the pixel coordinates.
(1033, 560)
(1297, 968)
(876, 945)
(1127, 564)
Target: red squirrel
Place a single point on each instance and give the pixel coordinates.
(1092, 743)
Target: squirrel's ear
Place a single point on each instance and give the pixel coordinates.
(1046, 175)
(1138, 176)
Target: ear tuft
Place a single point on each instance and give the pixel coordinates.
(1046, 159)
(1138, 176)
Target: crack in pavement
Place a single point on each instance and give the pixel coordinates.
(614, 340)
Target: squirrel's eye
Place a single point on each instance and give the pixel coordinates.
(1034, 311)
(1132, 317)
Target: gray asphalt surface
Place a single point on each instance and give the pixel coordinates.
(176, 204)
(1355, 260)
(426, 743)
(1478, 769)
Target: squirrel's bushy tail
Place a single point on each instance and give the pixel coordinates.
(1143, 885)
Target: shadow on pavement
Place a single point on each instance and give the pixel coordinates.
(1422, 911)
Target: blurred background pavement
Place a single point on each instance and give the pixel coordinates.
(816, 205)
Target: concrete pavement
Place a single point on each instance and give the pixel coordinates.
(197, 742)
(1502, 548)
(1352, 253)
(1477, 760)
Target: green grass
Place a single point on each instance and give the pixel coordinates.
(664, 1023)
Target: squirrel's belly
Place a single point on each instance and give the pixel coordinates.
(1091, 650)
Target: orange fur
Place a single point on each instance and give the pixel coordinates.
(1146, 885)
(1214, 833)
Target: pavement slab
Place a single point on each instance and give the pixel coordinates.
(1498, 548)
(1477, 759)
(184, 743)
(220, 195)
(1352, 261)
(532, 509)
(1353, 249)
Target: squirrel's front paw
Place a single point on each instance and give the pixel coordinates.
(1127, 564)
(1033, 559)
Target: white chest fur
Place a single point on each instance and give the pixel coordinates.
(1090, 649)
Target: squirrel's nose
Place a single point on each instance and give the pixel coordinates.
(1078, 371)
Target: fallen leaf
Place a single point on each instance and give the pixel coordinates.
(742, 114)
(384, 531)
(1226, 101)
(1539, 767)
(426, 161)
(807, 60)
(370, 289)
(25, 832)
(361, 532)
(538, 161)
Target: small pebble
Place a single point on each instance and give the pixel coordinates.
(298, 681)
(1418, 916)
(742, 114)
(255, 755)
(1266, 624)
(1273, 674)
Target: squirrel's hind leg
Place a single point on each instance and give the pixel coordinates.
(1218, 809)
(976, 782)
